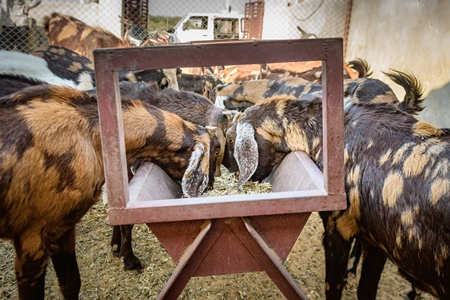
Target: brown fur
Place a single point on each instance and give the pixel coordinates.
(74, 34)
(51, 172)
(188, 105)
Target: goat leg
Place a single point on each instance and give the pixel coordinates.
(372, 267)
(121, 245)
(116, 241)
(355, 256)
(66, 267)
(30, 265)
(337, 251)
(131, 262)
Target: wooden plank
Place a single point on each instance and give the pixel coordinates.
(109, 61)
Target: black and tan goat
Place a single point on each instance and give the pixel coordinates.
(60, 66)
(190, 107)
(52, 172)
(375, 91)
(239, 96)
(200, 84)
(397, 183)
(362, 90)
(61, 71)
(12, 83)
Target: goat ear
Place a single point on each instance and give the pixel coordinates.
(196, 176)
(211, 130)
(165, 81)
(238, 116)
(228, 114)
(245, 152)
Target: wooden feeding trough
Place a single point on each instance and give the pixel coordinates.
(224, 234)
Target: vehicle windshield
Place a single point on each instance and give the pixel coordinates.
(197, 22)
(180, 22)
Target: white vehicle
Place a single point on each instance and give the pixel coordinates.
(207, 26)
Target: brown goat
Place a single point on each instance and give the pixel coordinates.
(362, 90)
(190, 107)
(240, 96)
(52, 172)
(76, 35)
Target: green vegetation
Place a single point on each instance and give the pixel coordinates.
(161, 22)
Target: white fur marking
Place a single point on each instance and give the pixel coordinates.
(85, 81)
(220, 101)
(23, 64)
(194, 164)
(245, 152)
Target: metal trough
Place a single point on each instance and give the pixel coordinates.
(225, 234)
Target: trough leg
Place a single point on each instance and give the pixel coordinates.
(66, 267)
(270, 263)
(372, 267)
(210, 234)
(189, 262)
(30, 265)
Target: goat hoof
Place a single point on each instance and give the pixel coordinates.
(115, 250)
(412, 294)
(133, 267)
(133, 271)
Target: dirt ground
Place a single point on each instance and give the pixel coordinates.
(103, 276)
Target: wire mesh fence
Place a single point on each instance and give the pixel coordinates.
(156, 22)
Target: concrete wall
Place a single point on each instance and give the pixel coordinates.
(410, 36)
(282, 17)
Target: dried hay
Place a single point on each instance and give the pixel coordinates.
(227, 184)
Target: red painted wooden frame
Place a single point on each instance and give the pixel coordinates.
(108, 61)
(226, 234)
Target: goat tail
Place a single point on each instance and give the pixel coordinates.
(361, 66)
(413, 100)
